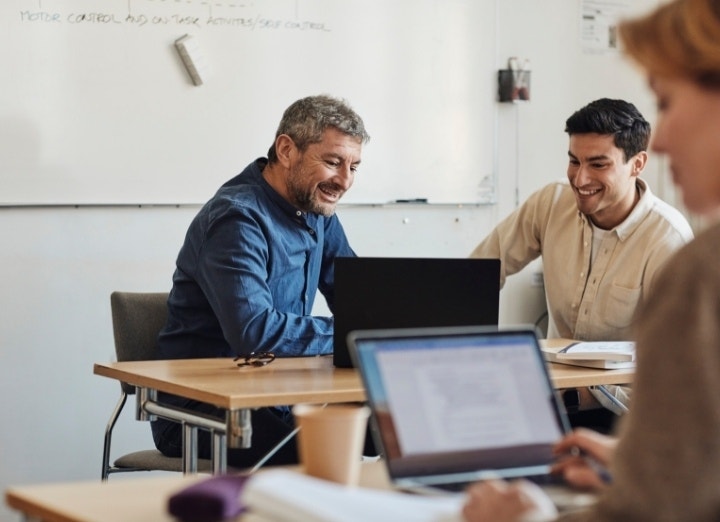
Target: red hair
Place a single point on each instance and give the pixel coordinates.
(679, 39)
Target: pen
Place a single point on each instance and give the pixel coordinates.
(611, 398)
(413, 200)
(592, 462)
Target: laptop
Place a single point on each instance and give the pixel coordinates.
(402, 292)
(451, 406)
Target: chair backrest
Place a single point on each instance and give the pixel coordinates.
(137, 320)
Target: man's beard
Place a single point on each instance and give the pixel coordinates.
(304, 196)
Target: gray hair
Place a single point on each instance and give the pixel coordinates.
(306, 120)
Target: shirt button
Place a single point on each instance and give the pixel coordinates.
(298, 213)
(585, 243)
(311, 231)
(582, 274)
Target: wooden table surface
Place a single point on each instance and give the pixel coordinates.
(127, 499)
(220, 382)
(291, 380)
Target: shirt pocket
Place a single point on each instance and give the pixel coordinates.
(621, 304)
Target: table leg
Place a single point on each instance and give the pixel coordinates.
(190, 453)
(239, 428)
(235, 432)
(219, 453)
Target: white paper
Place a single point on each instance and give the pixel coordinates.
(596, 350)
(598, 30)
(287, 496)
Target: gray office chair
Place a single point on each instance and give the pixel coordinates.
(137, 319)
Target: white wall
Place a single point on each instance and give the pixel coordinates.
(60, 264)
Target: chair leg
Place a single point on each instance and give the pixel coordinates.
(274, 450)
(108, 435)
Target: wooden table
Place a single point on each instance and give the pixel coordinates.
(146, 499)
(567, 376)
(289, 381)
(286, 381)
(236, 390)
(126, 499)
(123, 500)
(220, 382)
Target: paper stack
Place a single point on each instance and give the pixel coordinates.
(595, 354)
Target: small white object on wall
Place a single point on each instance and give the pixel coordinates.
(192, 57)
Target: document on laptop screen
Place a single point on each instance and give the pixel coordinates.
(465, 397)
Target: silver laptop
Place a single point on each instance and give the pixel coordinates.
(455, 405)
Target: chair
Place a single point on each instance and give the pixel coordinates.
(137, 319)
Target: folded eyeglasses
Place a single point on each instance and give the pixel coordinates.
(254, 359)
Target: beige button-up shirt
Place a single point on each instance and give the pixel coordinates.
(590, 303)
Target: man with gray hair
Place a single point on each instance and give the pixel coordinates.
(253, 259)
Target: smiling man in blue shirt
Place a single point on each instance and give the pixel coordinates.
(254, 258)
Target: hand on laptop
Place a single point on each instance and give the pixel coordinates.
(584, 456)
(501, 501)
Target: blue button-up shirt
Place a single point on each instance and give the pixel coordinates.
(248, 273)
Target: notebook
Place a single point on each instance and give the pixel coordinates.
(399, 292)
(456, 405)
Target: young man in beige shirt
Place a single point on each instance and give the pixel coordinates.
(602, 234)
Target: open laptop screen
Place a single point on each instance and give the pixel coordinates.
(457, 400)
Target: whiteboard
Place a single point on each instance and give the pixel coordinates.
(97, 108)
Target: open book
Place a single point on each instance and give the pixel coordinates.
(280, 495)
(593, 354)
(621, 351)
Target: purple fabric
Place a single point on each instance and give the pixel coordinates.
(214, 499)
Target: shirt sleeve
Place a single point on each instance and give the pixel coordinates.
(234, 276)
(517, 239)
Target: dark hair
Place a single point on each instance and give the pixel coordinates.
(617, 117)
(306, 120)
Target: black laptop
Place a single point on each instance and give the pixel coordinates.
(401, 292)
